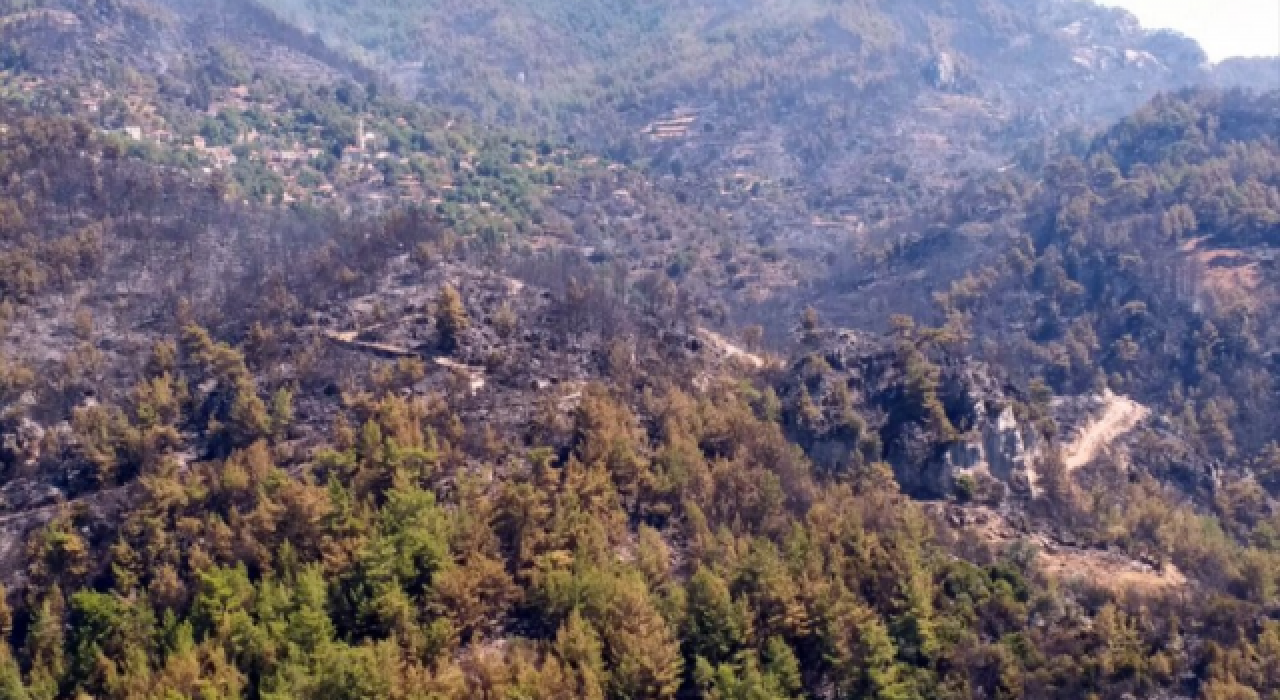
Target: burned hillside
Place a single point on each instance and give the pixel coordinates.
(723, 350)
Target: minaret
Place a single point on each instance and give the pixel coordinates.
(360, 136)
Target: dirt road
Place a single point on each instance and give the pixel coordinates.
(729, 349)
(1119, 416)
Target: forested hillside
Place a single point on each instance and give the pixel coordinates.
(812, 123)
(788, 92)
(1143, 261)
(545, 56)
(739, 350)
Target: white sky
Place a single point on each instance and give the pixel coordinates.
(1225, 28)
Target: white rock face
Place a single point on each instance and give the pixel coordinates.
(1142, 59)
(1006, 450)
(999, 450)
(944, 71)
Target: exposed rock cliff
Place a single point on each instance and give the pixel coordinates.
(863, 399)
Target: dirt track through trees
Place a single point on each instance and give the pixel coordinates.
(729, 349)
(1118, 418)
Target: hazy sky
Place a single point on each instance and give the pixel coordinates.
(1225, 28)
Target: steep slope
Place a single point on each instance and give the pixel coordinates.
(478, 442)
(813, 125)
(139, 40)
(315, 497)
(227, 90)
(822, 86)
(1120, 415)
(1144, 262)
(549, 55)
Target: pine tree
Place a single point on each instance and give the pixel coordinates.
(781, 663)
(248, 419)
(6, 614)
(11, 685)
(451, 318)
(281, 412)
(715, 628)
(643, 654)
(579, 648)
(860, 651)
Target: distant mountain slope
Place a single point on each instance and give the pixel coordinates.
(808, 119)
(515, 57)
(115, 40)
(227, 88)
(1256, 73)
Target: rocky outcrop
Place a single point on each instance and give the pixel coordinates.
(20, 445)
(942, 71)
(999, 449)
(854, 402)
(851, 401)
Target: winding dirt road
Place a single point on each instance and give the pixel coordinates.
(1120, 416)
(730, 350)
